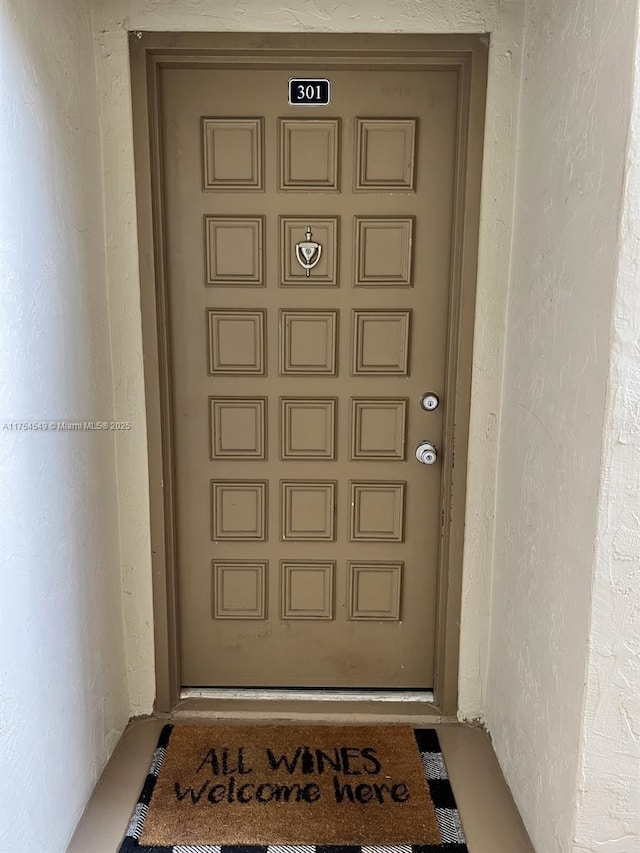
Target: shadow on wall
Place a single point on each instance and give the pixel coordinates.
(64, 695)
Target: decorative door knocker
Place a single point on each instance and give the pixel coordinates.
(308, 252)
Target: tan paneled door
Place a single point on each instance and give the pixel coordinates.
(308, 255)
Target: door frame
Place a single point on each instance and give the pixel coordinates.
(467, 55)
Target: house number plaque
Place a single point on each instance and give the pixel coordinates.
(309, 93)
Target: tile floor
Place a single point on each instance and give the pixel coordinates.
(490, 818)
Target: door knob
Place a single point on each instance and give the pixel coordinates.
(426, 453)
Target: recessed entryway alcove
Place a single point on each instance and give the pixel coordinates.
(545, 636)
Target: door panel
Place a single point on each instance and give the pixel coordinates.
(307, 531)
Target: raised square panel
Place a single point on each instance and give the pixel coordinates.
(239, 510)
(238, 427)
(232, 154)
(378, 428)
(307, 427)
(234, 251)
(377, 512)
(239, 589)
(374, 590)
(307, 510)
(385, 154)
(308, 342)
(236, 342)
(309, 154)
(323, 231)
(384, 249)
(381, 343)
(307, 589)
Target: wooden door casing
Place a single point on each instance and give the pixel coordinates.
(462, 270)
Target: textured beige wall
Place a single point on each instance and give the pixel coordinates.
(608, 798)
(63, 693)
(574, 117)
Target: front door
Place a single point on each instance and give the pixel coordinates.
(308, 257)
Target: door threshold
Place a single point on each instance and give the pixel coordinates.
(302, 695)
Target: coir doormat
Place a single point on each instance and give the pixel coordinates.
(296, 789)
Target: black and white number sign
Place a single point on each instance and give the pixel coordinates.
(309, 92)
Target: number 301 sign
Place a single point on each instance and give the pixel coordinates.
(309, 92)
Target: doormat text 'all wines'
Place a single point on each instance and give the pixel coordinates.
(242, 776)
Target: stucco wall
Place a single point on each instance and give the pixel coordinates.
(608, 799)
(111, 21)
(574, 116)
(63, 690)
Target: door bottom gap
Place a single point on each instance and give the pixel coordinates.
(309, 695)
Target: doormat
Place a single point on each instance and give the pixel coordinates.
(296, 789)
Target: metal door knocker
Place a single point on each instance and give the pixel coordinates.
(308, 252)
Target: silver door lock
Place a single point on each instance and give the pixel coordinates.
(429, 401)
(426, 453)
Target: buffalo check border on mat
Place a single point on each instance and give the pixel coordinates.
(435, 771)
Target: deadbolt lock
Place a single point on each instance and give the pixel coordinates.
(426, 453)
(429, 401)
